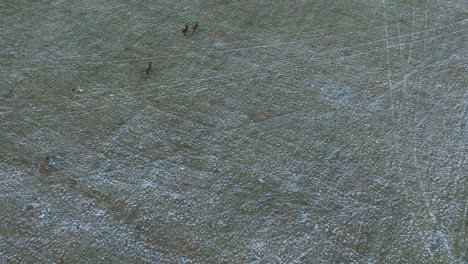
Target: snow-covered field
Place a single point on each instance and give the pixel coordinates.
(279, 132)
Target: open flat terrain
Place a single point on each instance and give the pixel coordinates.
(279, 132)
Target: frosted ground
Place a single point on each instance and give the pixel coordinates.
(281, 132)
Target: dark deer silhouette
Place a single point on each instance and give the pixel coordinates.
(148, 70)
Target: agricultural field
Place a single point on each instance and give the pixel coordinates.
(275, 132)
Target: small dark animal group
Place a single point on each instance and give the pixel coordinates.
(186, 29)
(44, 163)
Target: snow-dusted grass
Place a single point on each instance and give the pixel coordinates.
(280, 132)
